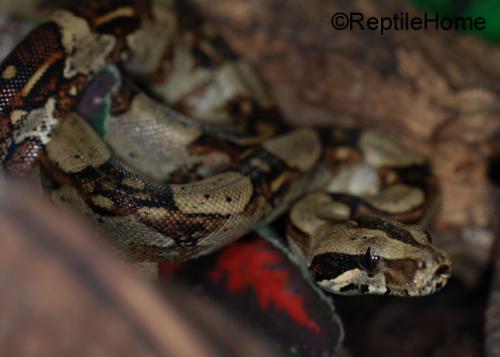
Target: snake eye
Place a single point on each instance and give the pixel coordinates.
(369, 261)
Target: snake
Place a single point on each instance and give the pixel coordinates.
(193, 153)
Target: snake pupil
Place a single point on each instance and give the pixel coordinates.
(369, 261)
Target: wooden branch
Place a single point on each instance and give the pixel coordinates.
(62, 293)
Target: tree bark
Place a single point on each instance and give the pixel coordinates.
(62, 293)
(436, 90)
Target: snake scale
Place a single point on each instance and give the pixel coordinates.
(191, 156)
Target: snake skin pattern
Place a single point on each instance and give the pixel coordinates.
(192, 154)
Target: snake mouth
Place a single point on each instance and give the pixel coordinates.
(441, 276)
(444, 271)
(432, 281)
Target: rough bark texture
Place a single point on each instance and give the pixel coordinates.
(437, 90)
(440, 92)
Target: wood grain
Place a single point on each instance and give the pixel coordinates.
(62, 293)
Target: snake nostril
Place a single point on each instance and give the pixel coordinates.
(442, 270)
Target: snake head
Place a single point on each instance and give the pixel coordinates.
(371, 255)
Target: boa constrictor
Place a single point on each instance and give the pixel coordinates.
(164, 186)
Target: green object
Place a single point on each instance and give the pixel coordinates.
(488, 9)
(100, 116)
(434, 5)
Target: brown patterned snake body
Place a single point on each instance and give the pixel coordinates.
(164, 186)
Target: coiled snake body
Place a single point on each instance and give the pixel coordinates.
(228, 172)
